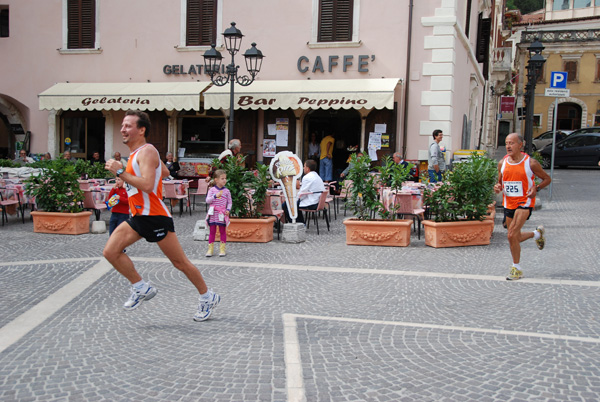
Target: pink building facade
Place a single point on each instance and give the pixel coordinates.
(401, 67)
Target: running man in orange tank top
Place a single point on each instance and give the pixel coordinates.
(516, 179)
(150, 218)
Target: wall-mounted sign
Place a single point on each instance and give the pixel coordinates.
(17, 129)
(180, 69)
(304, 63)
(507, 104)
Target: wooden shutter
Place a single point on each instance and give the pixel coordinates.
(484, 31)
(335, 20)
(81, 24)
(201, 22)
(571, 70)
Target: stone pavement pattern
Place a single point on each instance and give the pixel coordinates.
(367, 323)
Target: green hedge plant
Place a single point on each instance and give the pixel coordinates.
(239, 181)
(56, 188)
(466, 192)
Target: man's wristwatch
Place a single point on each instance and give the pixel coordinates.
(120, 172)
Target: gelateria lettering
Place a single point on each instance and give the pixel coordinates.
(191, 69)
(120, 99)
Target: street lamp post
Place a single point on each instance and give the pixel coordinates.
(534, 69)
(212, 65)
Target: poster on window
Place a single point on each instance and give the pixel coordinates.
(269, 148)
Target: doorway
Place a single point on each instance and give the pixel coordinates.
(503, 131)
(568, 116)
(82, 134)
(6, 139)
(345, 124)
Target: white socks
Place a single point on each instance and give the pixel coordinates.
(141, 286)
(517, 266)
(536, 235)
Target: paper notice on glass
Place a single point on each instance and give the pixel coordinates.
(381, 128)
(385, 141)
(375, 140)
(372, 152)
(180, 152)
(282, 138)
(271, 129)
(269, 148)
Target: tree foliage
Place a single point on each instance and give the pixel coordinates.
(525, 6)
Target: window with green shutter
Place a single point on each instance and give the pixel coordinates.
(335, 20)
(201, 22)
(81, 24)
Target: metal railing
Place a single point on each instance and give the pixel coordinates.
(569, 35)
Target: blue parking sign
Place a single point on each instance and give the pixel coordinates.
(558, 79)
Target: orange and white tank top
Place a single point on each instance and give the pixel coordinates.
(142, 203)
(517, 179)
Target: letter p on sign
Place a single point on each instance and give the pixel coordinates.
(558, 79)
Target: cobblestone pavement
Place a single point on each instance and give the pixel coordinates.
(319, 320)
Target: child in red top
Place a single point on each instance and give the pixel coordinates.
(120, 210)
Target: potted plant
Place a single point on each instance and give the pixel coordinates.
(248, 193)
(58, 199)
(461, 204)
(374, 223)
(91, 170)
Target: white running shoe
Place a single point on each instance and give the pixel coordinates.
(137, 297)
(206, 306)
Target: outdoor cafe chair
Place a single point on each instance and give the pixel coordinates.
(93, 199)
(404, 206)
(308, 213)
(344, 192)
(171, 193)
(6, 200)
(201, 190)
(273, 207)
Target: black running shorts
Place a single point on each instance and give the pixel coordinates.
(151, 228)
(510, 213)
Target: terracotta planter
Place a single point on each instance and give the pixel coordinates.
(249, 230)
(61, 222)
(457, 234)
(378, 233)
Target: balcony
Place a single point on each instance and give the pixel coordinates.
(501, 59)
(568, 35)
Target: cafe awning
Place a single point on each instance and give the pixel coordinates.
(306, 94)
(123, 96)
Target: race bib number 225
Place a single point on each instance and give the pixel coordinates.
(513, 188)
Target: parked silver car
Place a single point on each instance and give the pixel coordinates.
(544, 139)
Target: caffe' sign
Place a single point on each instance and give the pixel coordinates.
(120, 100)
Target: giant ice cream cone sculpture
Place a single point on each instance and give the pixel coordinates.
(288, 190)
(286, 168)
